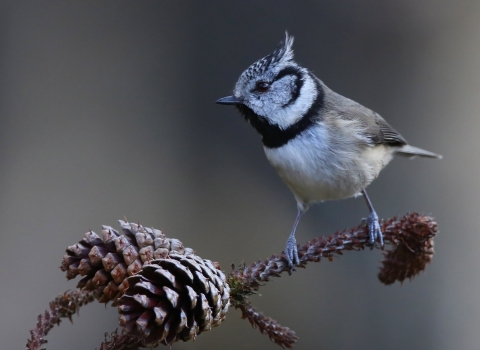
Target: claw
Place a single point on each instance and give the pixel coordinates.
(374, 230)
(291, 252)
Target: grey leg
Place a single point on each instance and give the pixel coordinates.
(375, 233)
(291, 252)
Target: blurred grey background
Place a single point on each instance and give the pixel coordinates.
(107, 110)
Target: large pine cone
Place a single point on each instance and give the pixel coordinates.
(174, 299)
(106, 262)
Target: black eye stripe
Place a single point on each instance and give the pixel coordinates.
(295, 71)
(289, 71)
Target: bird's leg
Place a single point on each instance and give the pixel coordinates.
(291, 252)
(374, 231)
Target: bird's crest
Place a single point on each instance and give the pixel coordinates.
(283, 53)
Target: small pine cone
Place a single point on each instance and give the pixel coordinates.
(106, 262)
(174, 299)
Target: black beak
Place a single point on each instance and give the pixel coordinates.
(230, 100)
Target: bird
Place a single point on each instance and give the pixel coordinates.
(324, 146)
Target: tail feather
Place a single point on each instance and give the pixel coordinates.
(412, 151)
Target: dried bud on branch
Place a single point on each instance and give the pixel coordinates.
(412, 249)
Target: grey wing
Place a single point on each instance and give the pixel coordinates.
(380, 132)
(376, 129)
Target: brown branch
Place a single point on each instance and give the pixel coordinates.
(411, 249)
(161, 297)
(282, 336)
(63, 306)
(413, 233)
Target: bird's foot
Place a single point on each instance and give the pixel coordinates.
(374, 230)
(291, 253)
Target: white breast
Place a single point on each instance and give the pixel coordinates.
(321, 165)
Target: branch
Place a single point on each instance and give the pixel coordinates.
(166, 293)
(410, 237)
(282, 336)
(63, 306)
(121, 341)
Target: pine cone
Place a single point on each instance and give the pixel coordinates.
(174, 299)
(107, 262)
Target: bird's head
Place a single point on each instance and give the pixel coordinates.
(274, 89)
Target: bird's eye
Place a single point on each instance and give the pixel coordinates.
(262, 86)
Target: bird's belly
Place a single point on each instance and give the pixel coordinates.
(315, 173)
(319, 184)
